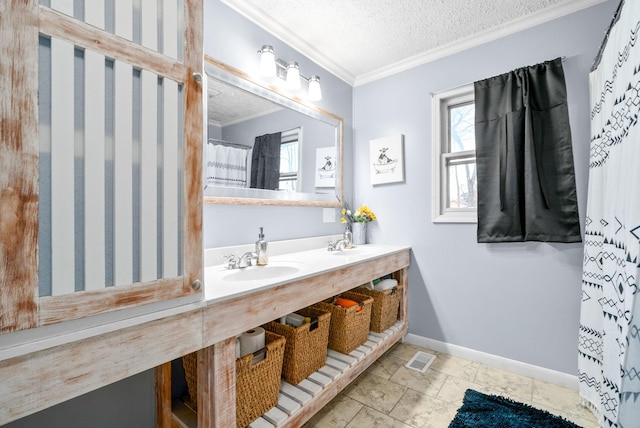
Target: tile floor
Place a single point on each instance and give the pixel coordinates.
(390, 395)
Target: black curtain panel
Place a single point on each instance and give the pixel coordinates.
(265, 162)
(526, 179)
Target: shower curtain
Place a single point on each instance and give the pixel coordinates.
(609, 336)
(226, 166)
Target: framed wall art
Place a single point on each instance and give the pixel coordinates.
(386, 159)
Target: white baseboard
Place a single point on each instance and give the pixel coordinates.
(525, 369)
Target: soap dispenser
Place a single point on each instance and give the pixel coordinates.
(348, 237)
(261, 249)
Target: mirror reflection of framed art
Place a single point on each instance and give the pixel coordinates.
(326, 163)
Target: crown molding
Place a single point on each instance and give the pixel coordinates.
(477, 39)
(281, 32)
(268, 24)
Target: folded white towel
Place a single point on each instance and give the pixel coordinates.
(386, 284)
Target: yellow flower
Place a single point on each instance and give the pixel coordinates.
(362, 215)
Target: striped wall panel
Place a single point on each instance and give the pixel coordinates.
(111, 151)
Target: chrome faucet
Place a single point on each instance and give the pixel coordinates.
(245, 260)
(339, 245)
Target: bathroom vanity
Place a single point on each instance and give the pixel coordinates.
(54, 365)
(238, 300)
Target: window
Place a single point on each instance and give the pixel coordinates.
(454, 195)
(290, 160)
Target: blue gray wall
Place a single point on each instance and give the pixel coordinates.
(520, 300)
(129, 403)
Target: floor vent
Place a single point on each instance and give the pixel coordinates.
(420, 362)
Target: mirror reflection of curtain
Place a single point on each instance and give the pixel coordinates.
(265, 162)
(526, 178)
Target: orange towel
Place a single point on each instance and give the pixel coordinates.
(346, 303)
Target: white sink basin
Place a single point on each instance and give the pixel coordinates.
(253, 273)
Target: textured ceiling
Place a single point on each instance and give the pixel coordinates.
(228, 105)
(361, 40)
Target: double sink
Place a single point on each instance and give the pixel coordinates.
(222, 283)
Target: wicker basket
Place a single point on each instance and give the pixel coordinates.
(305, 351)
(190, 364)
(384, 313)
(257, 385)
(349, 328)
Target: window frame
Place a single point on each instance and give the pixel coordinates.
(442, 156)
(290, 136)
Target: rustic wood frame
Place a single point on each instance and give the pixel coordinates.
(20, 23)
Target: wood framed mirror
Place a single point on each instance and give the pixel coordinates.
(306, 168)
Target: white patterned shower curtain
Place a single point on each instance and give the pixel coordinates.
(609, 338)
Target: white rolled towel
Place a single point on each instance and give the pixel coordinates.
(386, 284)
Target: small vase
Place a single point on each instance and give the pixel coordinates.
(359, 232)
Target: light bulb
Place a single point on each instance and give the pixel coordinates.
(267, 61)
(315, 93)
(293, 75)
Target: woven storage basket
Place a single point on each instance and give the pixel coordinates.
(384, 312)
(305, 351)
(190, 364)
(257, 385)
(349, 329)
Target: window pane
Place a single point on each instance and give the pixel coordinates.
(462, 128)
(288, 184)
(289, 166)
(289, 157)
(461, 187)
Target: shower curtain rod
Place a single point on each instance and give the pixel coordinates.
(227, 143)
(563, 58)
(616, 16)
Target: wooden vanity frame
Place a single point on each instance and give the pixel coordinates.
(221, 323)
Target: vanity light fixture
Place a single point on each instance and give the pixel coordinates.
(293, 75)
(315, 93)
(267, 61)
(270, 66)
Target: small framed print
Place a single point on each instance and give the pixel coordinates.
(326, 167)
(386, 159)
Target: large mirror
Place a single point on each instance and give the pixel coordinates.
(264, 147)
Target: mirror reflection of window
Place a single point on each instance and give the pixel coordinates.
(290, 160)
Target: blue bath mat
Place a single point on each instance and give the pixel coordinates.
(481, 410)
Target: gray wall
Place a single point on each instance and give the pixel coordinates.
(129, 403)
(520, 300)
(232, 39)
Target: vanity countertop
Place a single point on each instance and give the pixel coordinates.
(222, 284)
